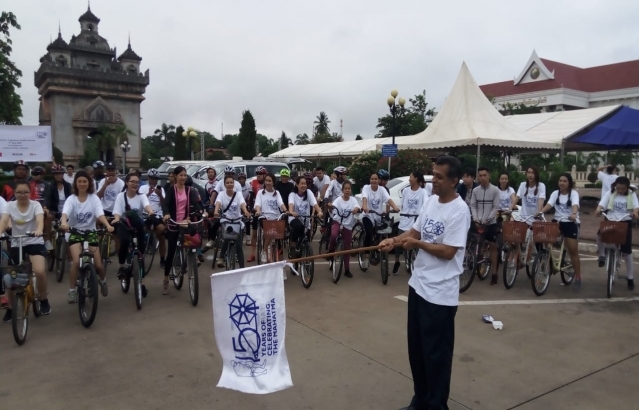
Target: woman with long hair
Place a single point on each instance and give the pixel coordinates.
(301, 205)
(532, 194)
(231, 202)
(347, 206)
(413, 197)
(506, 192)
(268, 203)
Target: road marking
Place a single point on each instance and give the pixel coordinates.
(535, 301)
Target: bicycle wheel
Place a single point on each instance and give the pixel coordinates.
(229, 259)
(150, 251)
(194, 289)
(307, 268)
(611, 264)
(384, 266)
(357, 238)
(60, 259)
(567, 270)
(510, 269)
(338, 263)
(88, 295)
(531, 257)
(483, 269)
(541, 272)
(51, 256)
(19, 317)
(468, 274)
(361, 256)
(104, 254)
(313, 228)
(260, 244)
(137, 271)
(178, 268)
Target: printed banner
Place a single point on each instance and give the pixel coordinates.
(249, 318)
(27, 143)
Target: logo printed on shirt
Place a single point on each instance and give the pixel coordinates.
(621, 206)
(431, 230)
(376, 203)
(531, 201)
(110, 194)
(272, 203)
(83, 217)
(302, 209)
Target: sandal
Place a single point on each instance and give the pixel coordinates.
(251, 258)
(165, 291)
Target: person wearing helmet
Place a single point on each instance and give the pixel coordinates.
(68, 176)
(334, 190)
(155, 193)
(246, 187)
(21, 173)
(98, 172)
(308, 177)
(284, 186)
(383, 177)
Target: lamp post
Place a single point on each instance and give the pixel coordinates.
(126, 147)
(190, 133)
(394, 109)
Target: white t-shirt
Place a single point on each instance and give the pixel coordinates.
(606, 181)
(270, 204)
(429, 189)
(333, 191)
(303, 205)
(3, 205)
(435, 279)
(221, 188)
(620, 211)
(110, 193)
(154, 199)
(345, 208)
(412, 202)
(83, 215)
(68, 178)
(235, 207)
(137, 203)
(505, 198)
(529, 203)
(246, 190)
(562, 210)
(61, 199)
(375, 201)
(21, 223)
(320, 184)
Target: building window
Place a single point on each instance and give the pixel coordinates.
(90, 27)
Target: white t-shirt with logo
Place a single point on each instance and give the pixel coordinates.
(234, 210)
(412, 202)
(221, 188)
(560, 202)
(320, 184)
(345, 208)
(505, 198)
(154, 199)
(606, 181)
(302, 205)
(375, 201)
(620, 211)
(21, 223)
(529, 203)
(137, 203)
(435, 279)
(110, 193)
(83, 215)
(270, 204)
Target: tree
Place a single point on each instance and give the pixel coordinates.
(104, 141)
(302, 139)
(245, 144)
(180, 151)
(11, 103)
(121, 133)
(266, 146)
(519, 108)
(321, 124)
(323, 138)
(58, 156)
(358, 138)
(285, 141)
(409, 120)
(166, 134)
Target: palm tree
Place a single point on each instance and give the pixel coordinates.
(321, 124)
(104, 140)
(302, 139)
(166, 133)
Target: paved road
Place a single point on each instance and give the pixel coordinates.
(346, 345)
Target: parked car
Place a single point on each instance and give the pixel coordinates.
(248, 167)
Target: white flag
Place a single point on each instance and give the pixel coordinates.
(249, 317)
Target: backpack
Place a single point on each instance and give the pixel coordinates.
(131, 216)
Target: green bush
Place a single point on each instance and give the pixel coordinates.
(362, 168)
(592, 177)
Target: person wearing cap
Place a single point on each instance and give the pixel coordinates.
(99, 175)
(21, 173)
(156, 195)
(68, 177)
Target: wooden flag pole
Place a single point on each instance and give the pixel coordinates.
(330, 255)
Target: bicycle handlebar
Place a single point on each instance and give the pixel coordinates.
(612, 219)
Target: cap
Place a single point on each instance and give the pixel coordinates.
(110, 165)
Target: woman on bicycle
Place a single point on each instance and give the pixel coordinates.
(127, 211)
(81, 211)
(413, 197)
(256, 186)
(347, 206)
(506, 192)
(180, 203)
(268, 203)
(622, 204)
(301, 205)
(375, 199)
(566, 204)
(27, 216)
(532, 194)
(231, 203)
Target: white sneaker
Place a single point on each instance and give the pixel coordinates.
(263, 257)
(365, 263)
(48, 245)
(72, 297)
(285, 276)
(210, 244)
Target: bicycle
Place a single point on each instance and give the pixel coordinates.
(306, 269)
(517, 234)
(87, 282)
(549, 260)
(337, 263)
(613, 234)
(152, 245)
(185, 259)
(57, 257)
(411, 254)
(380, 257)
(274, 231)
(104, 243)
(231, 230)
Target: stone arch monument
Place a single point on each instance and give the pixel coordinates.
(83, 87)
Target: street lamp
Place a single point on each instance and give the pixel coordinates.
(190, 133)
(126, 147)
(394, 109)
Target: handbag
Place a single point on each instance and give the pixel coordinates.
(131, 216)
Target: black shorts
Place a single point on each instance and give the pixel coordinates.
(108, 214)
(155, 222)
(569, 230)
(490, 232)
(31, 250)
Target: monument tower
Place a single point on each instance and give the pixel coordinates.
(84, 87)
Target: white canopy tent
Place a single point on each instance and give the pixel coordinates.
(332, 149)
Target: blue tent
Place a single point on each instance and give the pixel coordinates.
(621, 131)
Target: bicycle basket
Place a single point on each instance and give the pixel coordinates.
(515, 231)
(613, 232)
(16, 277)
(546, 232)
(274, 229)
(231, 230)
(384, 229)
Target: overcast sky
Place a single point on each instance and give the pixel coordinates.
(287, 60)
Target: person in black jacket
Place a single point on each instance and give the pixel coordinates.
(180, 203)
(465, 188)
(57, 192)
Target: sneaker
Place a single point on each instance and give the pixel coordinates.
(220, 265)
(248, 242)
(45, 307)
(122, 273)
(602, 261)
(162, 262)
(408, 408)
(144, 292)
(48, 245)
(366, 263)
(72, 297)
(577, 285)
(396, 268)
(210, 244)
(200, 258)
(104, 289)
(348, 274)
(493, 279)
(263, 257)
(7, 316)
(631, 284)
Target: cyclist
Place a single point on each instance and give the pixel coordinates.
(308, 176)
(532, 194)
(465, 189)
(506, 192)
(268, 203)
(334, 190)
(58, 192)
(156, 195)
(321, 181)
(180, 203)
(91, 172)
(229, 171)
(26, 215)
(211, 183)
(284, 186)
(622, 204)
(413, 197)
(21, 172)
(377, 200)
(70, 174)
(301, 203)
(109, 187)
(170, 182)
(484, 205)
(98, 169)
(383, 176)
(246, 187)
(256, 185)
(38, 188)
(345, 205)
(566, 203)
(81, 211)
(127, 209)
(231, 203)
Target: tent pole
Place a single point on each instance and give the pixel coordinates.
(389, 163)
(478, 156)
(563, 149)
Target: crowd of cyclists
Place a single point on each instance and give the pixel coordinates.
(97, 196)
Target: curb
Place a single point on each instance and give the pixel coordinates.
(591, 248)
